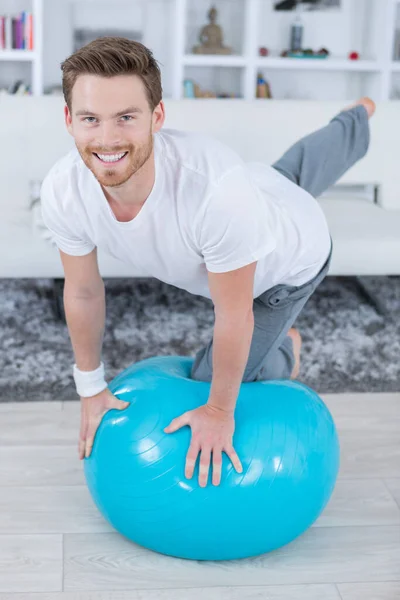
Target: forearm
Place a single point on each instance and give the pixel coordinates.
(85, 318)
(231, 347)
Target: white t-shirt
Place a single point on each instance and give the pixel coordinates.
(208, 210)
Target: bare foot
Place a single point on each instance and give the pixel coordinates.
(368, 104)
(296, 339)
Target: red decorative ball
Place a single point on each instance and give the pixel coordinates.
(354, 56)
(263, 51)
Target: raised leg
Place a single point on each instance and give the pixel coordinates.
(317, 161)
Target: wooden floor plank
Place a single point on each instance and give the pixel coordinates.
(282, 592)
(31, 563)
(321, 555)
(40, 465)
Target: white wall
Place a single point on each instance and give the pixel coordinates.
(396, 87)
(57, 43)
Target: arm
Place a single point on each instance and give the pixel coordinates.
(233, 232)
(236, 230)
(84, 303)
(232, 294)
(84, 300)
(213, 424)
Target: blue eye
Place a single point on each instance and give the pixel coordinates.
(128, 116)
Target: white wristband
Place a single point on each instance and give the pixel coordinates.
(89, 383)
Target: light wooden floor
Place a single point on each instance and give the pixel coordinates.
(54, 545)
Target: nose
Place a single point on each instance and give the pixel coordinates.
(109, 137)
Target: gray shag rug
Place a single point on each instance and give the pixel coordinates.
(347, 345)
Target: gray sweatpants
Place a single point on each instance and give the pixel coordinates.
(314, 163)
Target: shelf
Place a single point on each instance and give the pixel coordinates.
(23, 55)
(307, 64)
(214, 60)
(319, 64)
(396, 65)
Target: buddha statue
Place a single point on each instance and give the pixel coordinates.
(211, 37)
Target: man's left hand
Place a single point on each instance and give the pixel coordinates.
(212, 433)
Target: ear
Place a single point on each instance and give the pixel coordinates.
(158, 116)
(68, 119)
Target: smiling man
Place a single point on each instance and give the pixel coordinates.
(188, 210)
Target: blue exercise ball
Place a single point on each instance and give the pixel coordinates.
(285, 437)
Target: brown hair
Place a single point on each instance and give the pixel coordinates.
(111, 56)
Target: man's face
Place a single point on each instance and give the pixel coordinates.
(98, 130)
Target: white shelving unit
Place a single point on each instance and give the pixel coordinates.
(23, 55)
(379, 69)
(35, 56)
(382, 67)
(326, 64)
(197, 60)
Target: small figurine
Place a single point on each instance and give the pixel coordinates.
(211, 37)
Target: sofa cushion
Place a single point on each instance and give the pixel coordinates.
(366, 237)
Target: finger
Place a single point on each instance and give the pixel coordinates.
(230, 451)
(82, 439)
(191, 459)
(89, 446)
(118, 403)
(217, 466)
(177, 423)
(81, 448)
(91, 433)
(121, 405)
(205, 458)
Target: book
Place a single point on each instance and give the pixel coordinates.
(16, 33)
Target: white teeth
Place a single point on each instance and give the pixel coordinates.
(111, 157)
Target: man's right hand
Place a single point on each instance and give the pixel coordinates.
(93, 410)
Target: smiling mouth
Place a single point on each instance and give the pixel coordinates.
(112, 160)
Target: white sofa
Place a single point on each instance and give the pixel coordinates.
(366, 235)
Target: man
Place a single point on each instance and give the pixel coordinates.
(189, 211)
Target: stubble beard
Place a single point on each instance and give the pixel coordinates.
(117, 176)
